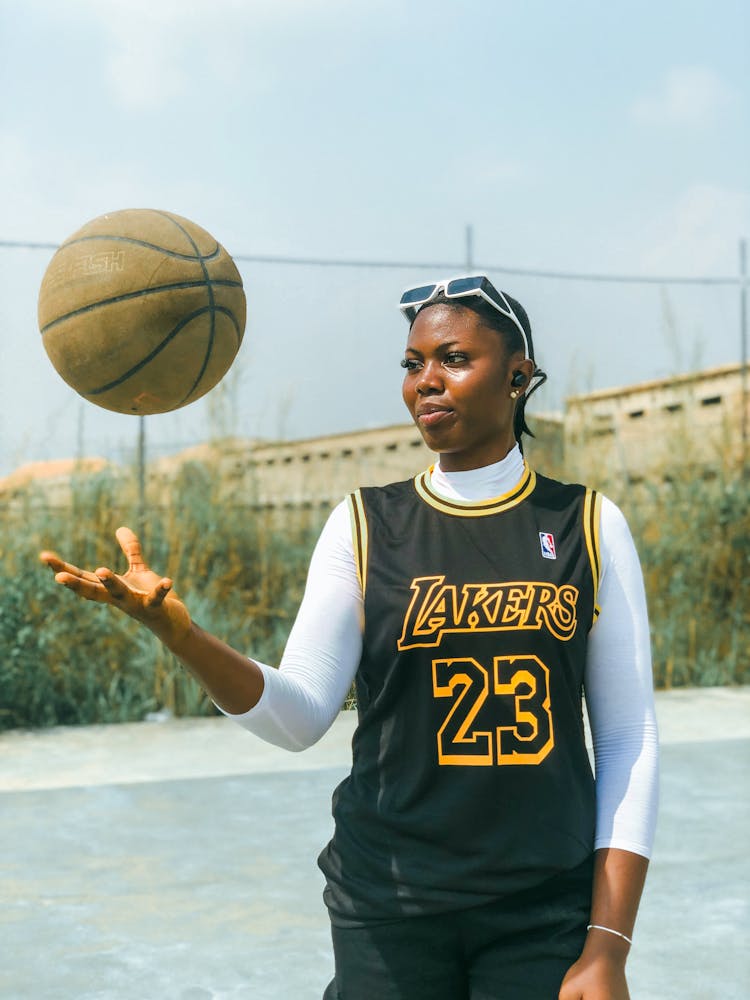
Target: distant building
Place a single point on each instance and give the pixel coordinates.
(650, 430)
(53, 480)
(318, 472)
(634, 434)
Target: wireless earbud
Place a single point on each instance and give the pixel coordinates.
(518, 379)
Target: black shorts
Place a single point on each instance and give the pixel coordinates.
(515, 948)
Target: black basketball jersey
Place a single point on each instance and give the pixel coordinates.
(470, 777)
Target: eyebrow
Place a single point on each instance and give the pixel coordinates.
(444, 347)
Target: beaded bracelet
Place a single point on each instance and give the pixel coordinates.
(598, 927)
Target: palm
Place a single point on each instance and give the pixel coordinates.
(139, 592)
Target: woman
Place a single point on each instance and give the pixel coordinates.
(472, 857)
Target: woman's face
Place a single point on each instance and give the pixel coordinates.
(457, 387)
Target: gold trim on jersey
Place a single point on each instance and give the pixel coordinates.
(475, 508)
(360, 539)
(592, 506)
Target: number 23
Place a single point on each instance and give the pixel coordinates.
(525, 680)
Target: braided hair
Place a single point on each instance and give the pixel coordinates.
(494, 319)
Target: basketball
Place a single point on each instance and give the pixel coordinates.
(141, 311)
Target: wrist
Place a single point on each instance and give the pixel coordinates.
(601, 942)
(181, 639)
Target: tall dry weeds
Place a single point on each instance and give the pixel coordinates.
(66, 662)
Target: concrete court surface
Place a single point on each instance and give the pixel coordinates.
(176, 861)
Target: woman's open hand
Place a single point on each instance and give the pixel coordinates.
(139, 593)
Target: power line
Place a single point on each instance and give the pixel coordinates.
(450, 266)
(15, 245)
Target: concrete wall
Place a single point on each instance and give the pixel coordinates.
(318, 472)
(626, 435)
(652, 430)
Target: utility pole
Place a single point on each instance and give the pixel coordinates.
(141, 472)
(80, 445)
(743, 354)
(469, 249)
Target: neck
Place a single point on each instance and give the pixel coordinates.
(480, 484)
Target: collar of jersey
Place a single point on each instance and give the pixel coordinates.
(475, 508)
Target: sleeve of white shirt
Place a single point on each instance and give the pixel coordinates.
(301, 699)
(619, 696)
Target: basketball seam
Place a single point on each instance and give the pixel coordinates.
(224, 282)
(211, 304)
(160, 347)
(149, 246)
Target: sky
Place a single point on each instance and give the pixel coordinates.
(608, 139)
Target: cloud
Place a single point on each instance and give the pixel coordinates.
(699, 233)
(690, 95)
(48, 206)
(145, 48)
(154, 46)
(25, 194)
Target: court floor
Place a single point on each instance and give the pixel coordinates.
(178, 860)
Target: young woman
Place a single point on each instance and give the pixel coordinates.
(474, 857)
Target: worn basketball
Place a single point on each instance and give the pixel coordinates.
(141, 311)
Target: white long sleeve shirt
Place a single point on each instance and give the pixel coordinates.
(302, 697)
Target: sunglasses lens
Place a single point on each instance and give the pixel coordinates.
(478, 283)
(496, 297)
(412, 296)
(460, 286)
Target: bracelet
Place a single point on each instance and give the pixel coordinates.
(598, 927)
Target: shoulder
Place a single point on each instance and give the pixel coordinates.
(336, 533)
(380, 497)
(390, 490)
(615, 538)
(555, 495)
(610, 512)
(614, 523)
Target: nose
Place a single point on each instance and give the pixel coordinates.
(430, 378)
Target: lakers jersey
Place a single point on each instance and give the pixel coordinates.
(470, 777)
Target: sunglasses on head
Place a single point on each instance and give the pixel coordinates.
(459, 288)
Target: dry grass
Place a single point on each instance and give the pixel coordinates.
(68, 662)
(65, 662)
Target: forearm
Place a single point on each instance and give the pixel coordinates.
(301, 699)
(599, 973)
(619, 877)
(234, 682)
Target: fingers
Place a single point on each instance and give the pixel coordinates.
(156, 598)
(58, 565)
(112, 583)
(131, 546)
(136, 590)
(90, 589)
(119, 589)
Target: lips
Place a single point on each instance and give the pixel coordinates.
(430, 414)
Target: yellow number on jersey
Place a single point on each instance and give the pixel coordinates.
(524, 681)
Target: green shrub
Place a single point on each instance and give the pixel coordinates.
(693, 537)
(69, 662)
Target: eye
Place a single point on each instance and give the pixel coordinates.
(456, 358)
(410, 364)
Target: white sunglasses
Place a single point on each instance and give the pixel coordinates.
(459, 288)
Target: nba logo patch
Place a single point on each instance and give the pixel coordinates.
(547, 542)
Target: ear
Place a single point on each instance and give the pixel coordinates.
(521, 374)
